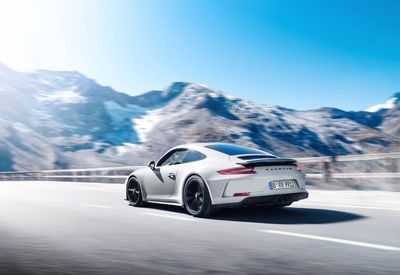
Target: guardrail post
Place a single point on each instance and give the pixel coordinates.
(394, 167)
(326, 171)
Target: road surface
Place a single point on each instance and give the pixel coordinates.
(88, 228)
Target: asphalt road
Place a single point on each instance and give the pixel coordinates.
(88, 228)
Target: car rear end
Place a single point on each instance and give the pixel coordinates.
(258, 179)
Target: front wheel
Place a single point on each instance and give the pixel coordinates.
(196, 197)
(134, 192)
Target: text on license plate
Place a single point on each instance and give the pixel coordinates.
(282, 184)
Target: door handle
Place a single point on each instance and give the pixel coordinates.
(172, 176)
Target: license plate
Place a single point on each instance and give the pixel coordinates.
(282, 184)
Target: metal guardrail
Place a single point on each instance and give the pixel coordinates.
(380, 156)
(78, 170)
(327, 162)
(119, 174)
(102, 174)
(356, 176)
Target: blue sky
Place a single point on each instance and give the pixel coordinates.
(297, 54)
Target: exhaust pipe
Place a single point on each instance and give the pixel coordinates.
(285, 198)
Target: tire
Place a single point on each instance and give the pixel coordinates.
(196, 198)
(134, 192)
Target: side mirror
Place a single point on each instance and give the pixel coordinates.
(152, 165)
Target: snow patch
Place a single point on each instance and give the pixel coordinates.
(66, 96)
(213, 94)
(119, 113)
(389, 104)
(230, 97)
(145, 124)
(125, 148)
(358, 147)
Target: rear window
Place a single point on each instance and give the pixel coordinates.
(233, 150)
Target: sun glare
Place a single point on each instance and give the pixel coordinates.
(26, 27)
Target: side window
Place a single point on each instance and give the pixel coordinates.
(174, 157)
(193, 155)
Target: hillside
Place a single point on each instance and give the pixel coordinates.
(56, 119)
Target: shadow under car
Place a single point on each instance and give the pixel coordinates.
(270, 215)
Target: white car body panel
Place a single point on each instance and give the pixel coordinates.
(157, 186)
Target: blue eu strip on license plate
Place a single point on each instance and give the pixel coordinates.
(270, 185)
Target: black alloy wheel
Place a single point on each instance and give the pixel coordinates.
(197, 198)
(134, 192)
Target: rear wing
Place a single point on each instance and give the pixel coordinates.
(268, 162)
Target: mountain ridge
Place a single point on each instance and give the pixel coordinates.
(80, 123)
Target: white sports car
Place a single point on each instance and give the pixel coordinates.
(205, 176)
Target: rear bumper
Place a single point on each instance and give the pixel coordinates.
(267, 200)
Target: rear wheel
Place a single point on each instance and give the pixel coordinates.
(134, 193)
(196, 197)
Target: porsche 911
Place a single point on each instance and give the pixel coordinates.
(203, 177)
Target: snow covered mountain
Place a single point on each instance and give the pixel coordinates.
(56, 119)
(391, 103)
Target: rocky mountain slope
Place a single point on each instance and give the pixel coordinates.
(54, 119)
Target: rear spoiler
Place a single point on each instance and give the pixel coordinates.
(268, 162)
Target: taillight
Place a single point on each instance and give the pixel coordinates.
(299, 167)
(242, 194)
(238, 171)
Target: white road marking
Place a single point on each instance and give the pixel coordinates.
(334, 240)
(349, 206)
(170, 217)
(97, 206)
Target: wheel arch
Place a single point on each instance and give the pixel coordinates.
(184, 183)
